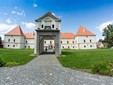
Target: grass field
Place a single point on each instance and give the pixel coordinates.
(20, 56)
(84, 59)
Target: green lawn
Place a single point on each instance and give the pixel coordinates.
(20, 56)
(84, 59)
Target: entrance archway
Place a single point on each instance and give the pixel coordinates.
(47, 45)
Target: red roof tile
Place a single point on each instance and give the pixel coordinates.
(67, 35)
(16, 31)
(29, 35)
(82, 31)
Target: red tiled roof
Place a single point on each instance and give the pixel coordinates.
(16, 31)
(67, 35)
(82, 31)
(29, 35)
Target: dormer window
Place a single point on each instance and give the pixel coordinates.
(53, 26)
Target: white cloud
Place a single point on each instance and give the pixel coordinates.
(28, 25)
(103, 25)
(8, 21)
(4, 28)
(18, 13)
(53, 14)
(35, 5)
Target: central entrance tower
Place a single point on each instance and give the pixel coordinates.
(47, 28)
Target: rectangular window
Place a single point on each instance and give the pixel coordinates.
(8, 40)
(42, 26)
(53, 26)
(90, 41)
(73, 47)
(26, 41)
(68, 47)
(44, 41)
(50, 42)
(68, 42)
(84, 46)
(90, 45)
(8, 45)
(84, 41)
(14, 40)
(73, 42)
(61, 41)
(62, 46)
(13, 45)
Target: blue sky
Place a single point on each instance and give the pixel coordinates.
(92, 14)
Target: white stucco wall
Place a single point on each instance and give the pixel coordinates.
(90, 42)
(53, 22)
(30, 43)
(18, 44)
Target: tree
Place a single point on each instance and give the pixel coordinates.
(0, 41)
(108, 35)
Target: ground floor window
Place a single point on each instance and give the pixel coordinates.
(13, 45)
(8, 45)
(84, 46)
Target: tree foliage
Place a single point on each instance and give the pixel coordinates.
(108, 35)
(0, 40)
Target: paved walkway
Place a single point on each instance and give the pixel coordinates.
(46, 70)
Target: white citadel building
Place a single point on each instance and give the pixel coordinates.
(17, 39)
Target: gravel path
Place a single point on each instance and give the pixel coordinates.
(46, 70)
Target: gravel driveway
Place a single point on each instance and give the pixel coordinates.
(46, 70)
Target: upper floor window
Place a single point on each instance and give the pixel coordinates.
(67, 41)
(86, 36)
(26, 41)
(90, 41)
(84, 41)
(14, 40)
(61, 41)
(8, 40)
(53, 26)
(44, 41)
(42, 26)
(50, 42)
(73, 42)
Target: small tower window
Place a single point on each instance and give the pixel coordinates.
(50, 42)
(53, 26)
(42, 26)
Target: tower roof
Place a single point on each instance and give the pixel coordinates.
(48, 14)
(82, 31)
(16, 31)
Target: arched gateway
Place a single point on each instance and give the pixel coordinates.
(47, 28)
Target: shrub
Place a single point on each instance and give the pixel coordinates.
(12, 64)
(2, 63)
(101, 68)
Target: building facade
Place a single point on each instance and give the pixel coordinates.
(16, 39)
